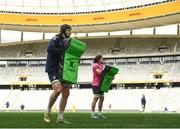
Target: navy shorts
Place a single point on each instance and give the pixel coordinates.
(97, 92)
(143, 104)
(56, 77)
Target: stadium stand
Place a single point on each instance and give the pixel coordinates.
(106, 46)
(169, 71)
(147, 60)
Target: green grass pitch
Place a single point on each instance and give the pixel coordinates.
(83, 120)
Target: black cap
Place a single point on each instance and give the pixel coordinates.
(64, 27)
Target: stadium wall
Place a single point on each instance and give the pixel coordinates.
(120, 100)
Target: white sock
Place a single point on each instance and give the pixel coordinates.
(99, 113)
(61, 115)
(48, 109)
(92, 113)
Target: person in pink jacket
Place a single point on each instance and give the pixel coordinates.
(97, 68)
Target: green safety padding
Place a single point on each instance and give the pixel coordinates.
(71, 60)
(107, 77)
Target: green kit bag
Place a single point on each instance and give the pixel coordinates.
(72, 59)
(107, 76)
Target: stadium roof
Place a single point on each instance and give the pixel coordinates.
(87, 15)
(65, 6)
